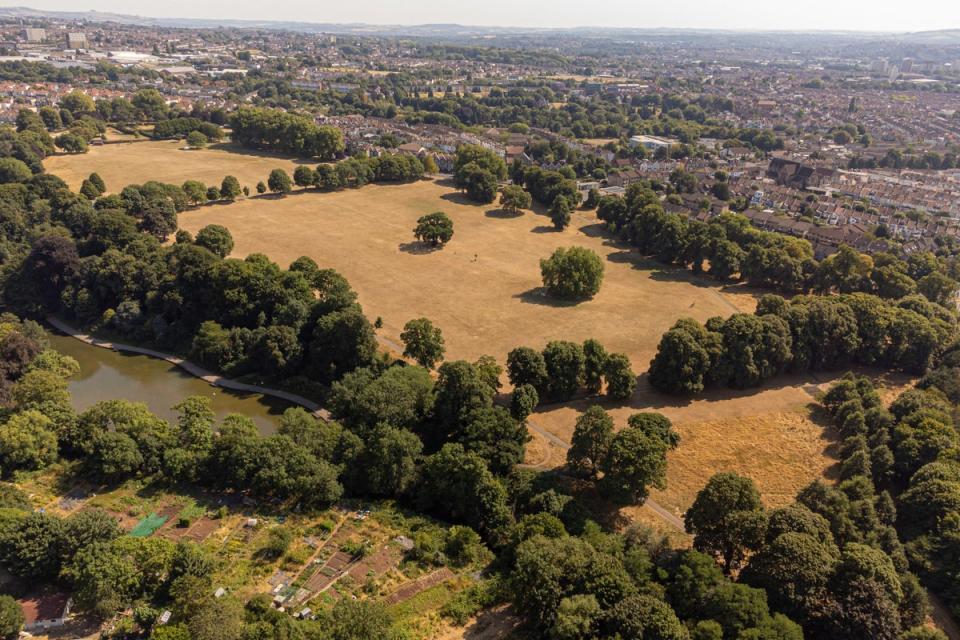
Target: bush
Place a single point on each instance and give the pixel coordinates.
(278, 542)
(573, 273)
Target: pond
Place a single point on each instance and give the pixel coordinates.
(110, 375)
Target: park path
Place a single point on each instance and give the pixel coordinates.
(193, 369)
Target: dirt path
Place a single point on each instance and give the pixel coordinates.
(193, 369)
(943, 618)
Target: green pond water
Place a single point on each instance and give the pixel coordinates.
(110, 375)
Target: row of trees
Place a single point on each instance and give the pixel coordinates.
(283, 132)
(563, 368)
(807, 333)
(908, 452)
(729, 247)
(349, 173)
(184, 126)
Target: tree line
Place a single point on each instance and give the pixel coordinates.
(908, 451)
(283, 132)
(806, 333)
(728, 247)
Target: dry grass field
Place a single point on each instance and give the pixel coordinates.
(166, 161)
(772, 435)
(483, 289)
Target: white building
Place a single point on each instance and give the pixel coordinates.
(76, 40)
(34, 35)
(650, 143)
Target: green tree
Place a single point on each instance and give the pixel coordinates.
(279, 181)
(77, 103)
(31, 546)
(423, 342)
(479, 184)
(577, 618)
(496, 436)
(794, 570)
(216, 619)
(635, 461)
(684, 356)
(564, 362)
(28, 441)
(459, 485)
(595, 359)
(391, 457)
(88, 190)
(11, 618)
(341, 341)
(304, 176)
(460, 390)
(643, 616)
(726, 518)
(105, 580)
(13, 170)
(523, 402)
(216, 238)
(592, 437)
(98, 182)
(573, 273)
(527, 366)
(51, 118)
(513, 198)
(620, 378)
(261, 188)
(195, 191)
(358, 620)
(71, 143)
(196, 140)
(560, 210)
(278, 542)
(435, 228)
(230, 188)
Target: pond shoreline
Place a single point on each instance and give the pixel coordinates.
(192, 368)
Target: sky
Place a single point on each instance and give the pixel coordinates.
(825, 15)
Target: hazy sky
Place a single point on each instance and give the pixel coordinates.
(869, 15)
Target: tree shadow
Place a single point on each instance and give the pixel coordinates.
(504, 215)
(418, 248)
(594, 230)
(233, 147)
(540, 296)
(661, 273)
(542, 228)
(457, 198)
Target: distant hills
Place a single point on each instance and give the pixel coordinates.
(943, 37)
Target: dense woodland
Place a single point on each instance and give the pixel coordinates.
(843, 561)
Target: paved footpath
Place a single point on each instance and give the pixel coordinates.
(193, 369)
